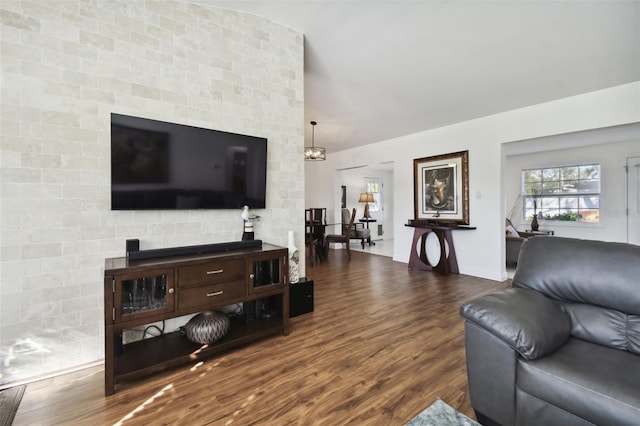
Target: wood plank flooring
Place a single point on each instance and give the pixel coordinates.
(383, 343)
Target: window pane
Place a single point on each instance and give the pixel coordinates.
(548, 207)
(532, 188)
(591, 171)
(375, 206)
(532, 175)
(570, 173)
(550, 174)
(589, 216)
(569, 203)
(549, 202)
(589, 186)
(587, 202)
(549, 214)
(550, 187)
(528, 203)
(570, 186)
(567, 215)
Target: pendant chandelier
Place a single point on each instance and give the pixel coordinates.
(313, 152)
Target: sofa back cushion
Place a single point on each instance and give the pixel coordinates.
(604, 326)
(598, 273)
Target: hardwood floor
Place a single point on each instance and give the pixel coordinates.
(383, 343)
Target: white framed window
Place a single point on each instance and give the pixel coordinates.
(565, 193)
(373, 185)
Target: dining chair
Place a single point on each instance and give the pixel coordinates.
(342, 238)
(310, 235)
(319, 215)
(355, 230)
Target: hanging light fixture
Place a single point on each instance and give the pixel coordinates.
(313, 152)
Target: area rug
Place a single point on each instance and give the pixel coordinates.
(9, 402)
(441, 414)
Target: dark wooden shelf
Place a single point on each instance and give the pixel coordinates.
(159, 353)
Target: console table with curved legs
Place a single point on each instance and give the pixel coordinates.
(447, 264)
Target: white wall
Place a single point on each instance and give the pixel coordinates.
(66, 65)
(613, 201)
(480, 252)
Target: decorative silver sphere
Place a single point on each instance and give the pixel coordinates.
(207, 327)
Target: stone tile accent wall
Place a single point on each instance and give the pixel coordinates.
(66, 66)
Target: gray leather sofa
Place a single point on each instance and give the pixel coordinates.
(562, 345)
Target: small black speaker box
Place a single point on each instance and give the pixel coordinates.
(133, 246)
(300, 297)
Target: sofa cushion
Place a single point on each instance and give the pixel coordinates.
(363, 233)
(606, 327)
(596, 383)
(584, 271)
(536, 412)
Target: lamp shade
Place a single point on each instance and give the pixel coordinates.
(366, 197)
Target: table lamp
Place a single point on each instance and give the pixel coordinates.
(366, 197)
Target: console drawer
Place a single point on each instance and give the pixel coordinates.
(212, 272)
(208, 294)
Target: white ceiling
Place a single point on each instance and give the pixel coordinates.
(375, 70)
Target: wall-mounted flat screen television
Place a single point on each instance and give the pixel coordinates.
(157, 165)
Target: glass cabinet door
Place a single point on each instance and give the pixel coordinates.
(147, 294)
(265, 273)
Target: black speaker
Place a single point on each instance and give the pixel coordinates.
(133, 246)
(189, 250)
(300, 297)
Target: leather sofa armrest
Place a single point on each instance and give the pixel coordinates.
(524, 319)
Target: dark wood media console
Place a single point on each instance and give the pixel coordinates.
(142, 292)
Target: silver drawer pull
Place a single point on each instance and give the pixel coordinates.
(215, 293)
(219, 271)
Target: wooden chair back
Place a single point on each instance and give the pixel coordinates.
(344, 237)
(310, 234)
(319, 215)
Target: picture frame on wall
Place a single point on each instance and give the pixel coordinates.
(441, 188)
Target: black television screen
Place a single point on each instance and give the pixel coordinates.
(157, 165)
